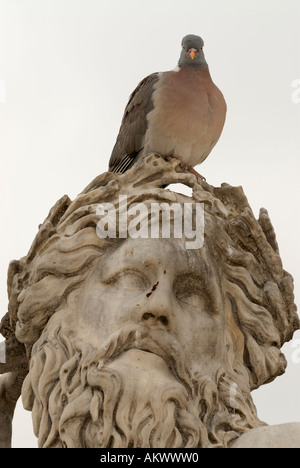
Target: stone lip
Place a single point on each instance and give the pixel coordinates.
(155, 341)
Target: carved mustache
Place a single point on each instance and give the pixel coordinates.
(156, 341)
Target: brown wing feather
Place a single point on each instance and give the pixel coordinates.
(133, 126)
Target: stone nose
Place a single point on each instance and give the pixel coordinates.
(155, 320)
(157, 306)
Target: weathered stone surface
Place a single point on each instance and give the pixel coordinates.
(14, 367)
(148, 341)
(279, 436)
(10, 390)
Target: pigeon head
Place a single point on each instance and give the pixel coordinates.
(192, 52)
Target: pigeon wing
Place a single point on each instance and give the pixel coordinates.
(130, 139)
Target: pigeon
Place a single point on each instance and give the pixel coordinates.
(179, 113)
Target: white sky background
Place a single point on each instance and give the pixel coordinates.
(67, 68)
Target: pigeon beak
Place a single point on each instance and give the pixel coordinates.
(192, 53)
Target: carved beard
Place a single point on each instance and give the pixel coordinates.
(136, 391)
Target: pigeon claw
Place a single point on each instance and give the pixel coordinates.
(190, 168)
(182, 164)
(193, 171)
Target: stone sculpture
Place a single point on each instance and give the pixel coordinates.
(143, 342)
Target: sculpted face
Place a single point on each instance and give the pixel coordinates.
(145, 342)
(136, 357)
(163, 286)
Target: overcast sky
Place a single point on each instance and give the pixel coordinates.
(67, 68)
